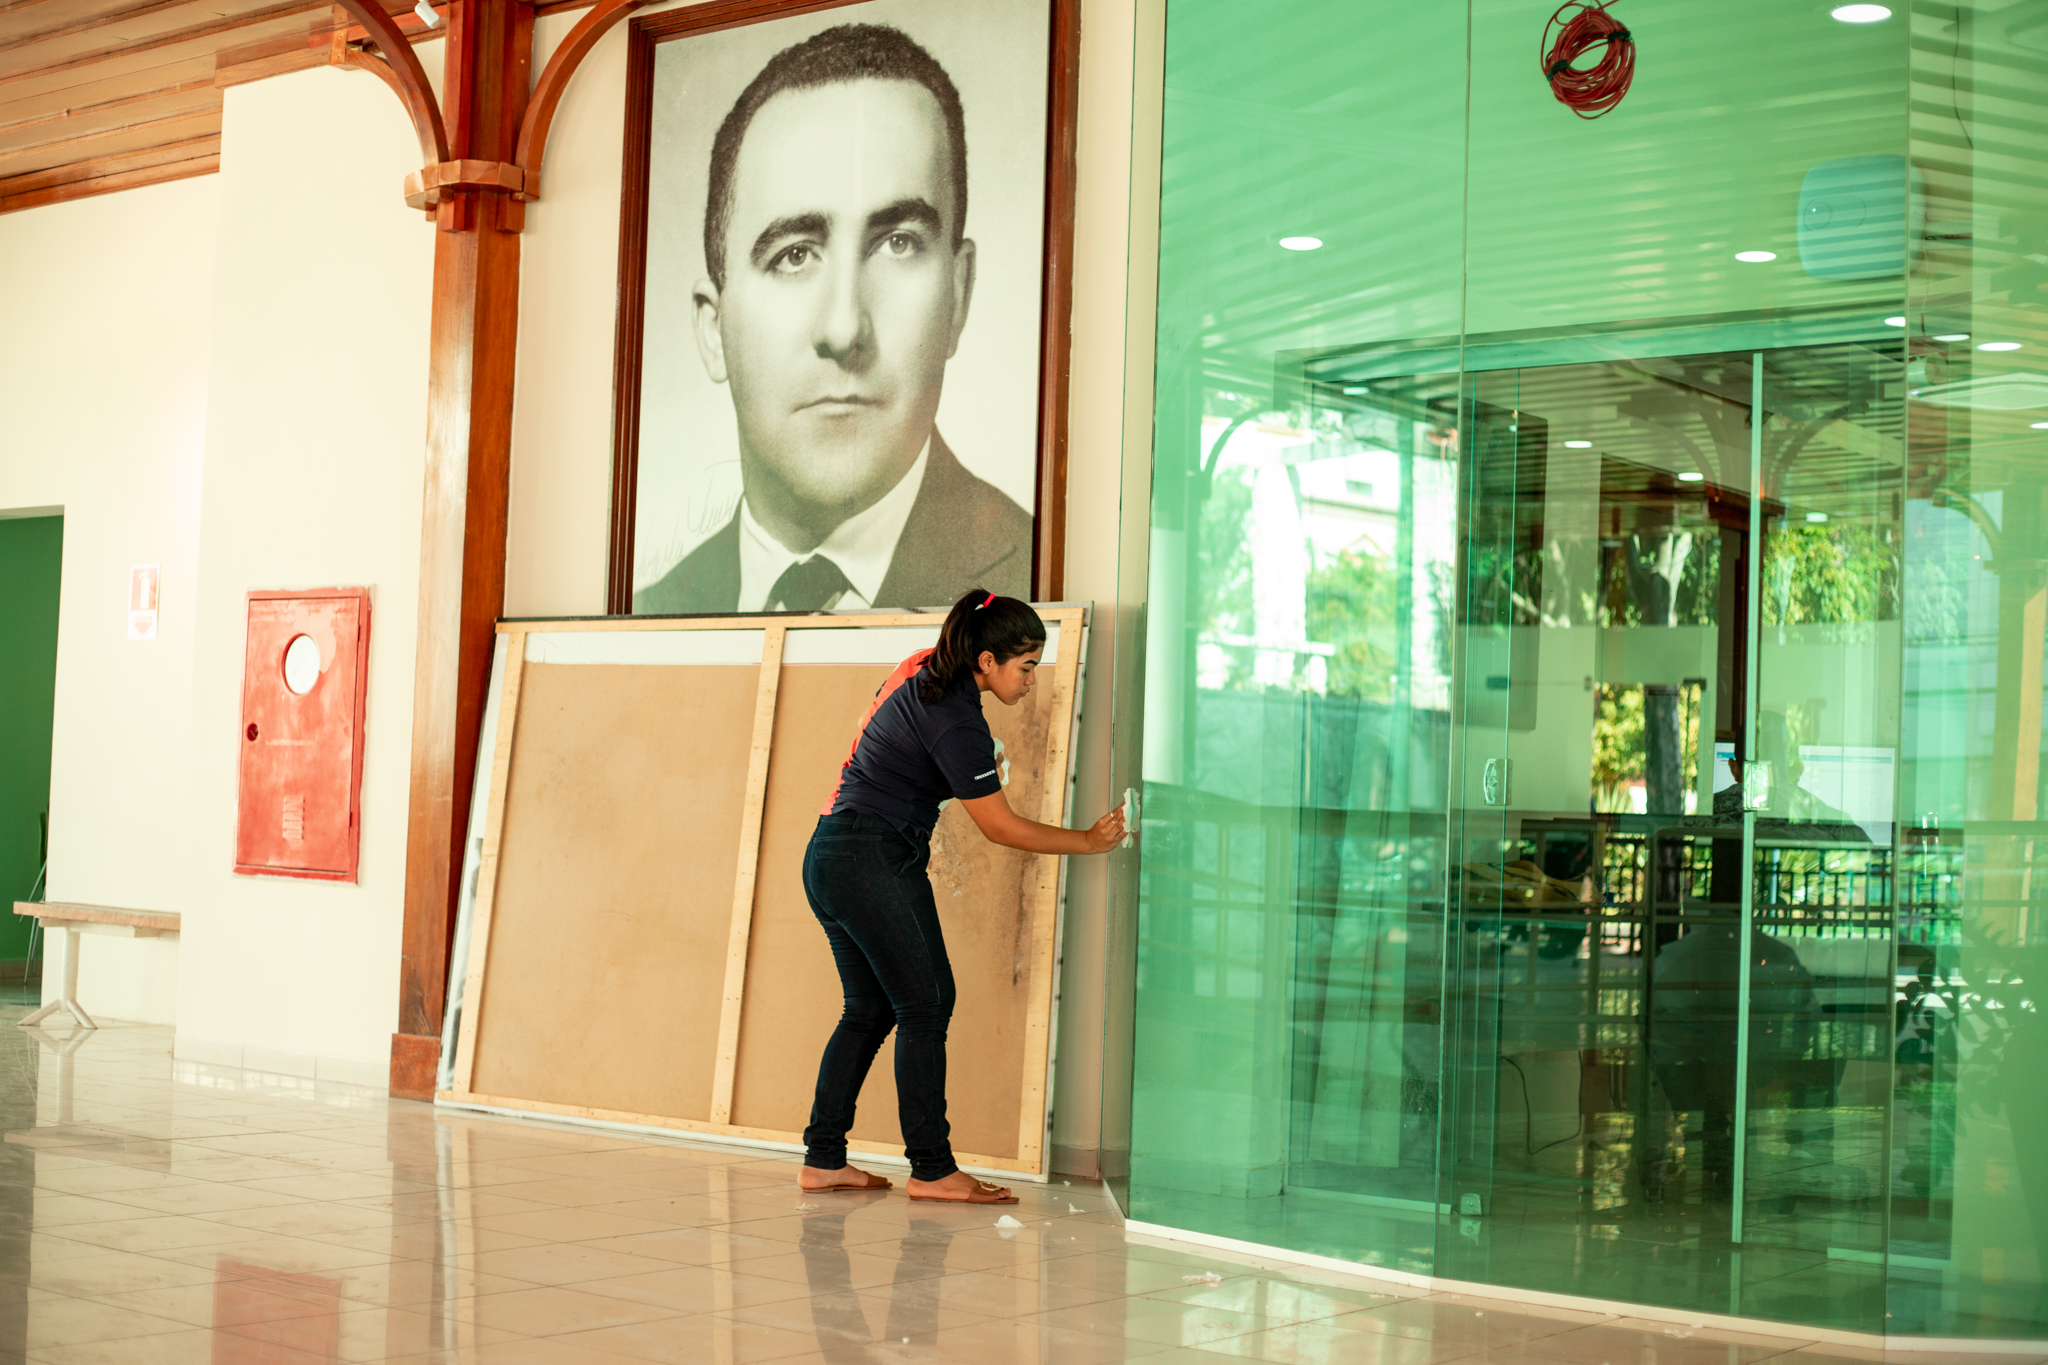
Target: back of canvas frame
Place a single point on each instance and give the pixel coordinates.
(639, 948)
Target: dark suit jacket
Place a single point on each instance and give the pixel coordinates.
(962, 533)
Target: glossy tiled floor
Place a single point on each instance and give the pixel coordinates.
(160, 1212)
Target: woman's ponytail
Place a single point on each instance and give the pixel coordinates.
(979, 623)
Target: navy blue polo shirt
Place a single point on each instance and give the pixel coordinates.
(910, 755)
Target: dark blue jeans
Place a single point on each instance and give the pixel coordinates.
(866, 883)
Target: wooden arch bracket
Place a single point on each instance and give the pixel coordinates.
(440, 178)
(408, 78)
(547, 96)
(427, 187)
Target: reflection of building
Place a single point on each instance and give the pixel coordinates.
(1317, 500)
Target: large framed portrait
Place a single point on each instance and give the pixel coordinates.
(843, 305)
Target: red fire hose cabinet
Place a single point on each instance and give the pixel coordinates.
(303, 684)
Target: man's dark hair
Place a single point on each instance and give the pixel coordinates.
(849, 52)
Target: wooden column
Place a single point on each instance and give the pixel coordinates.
(462, 551)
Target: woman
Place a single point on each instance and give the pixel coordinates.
(924, 741)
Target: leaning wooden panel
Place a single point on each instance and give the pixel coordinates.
(513, 650)
(1062, 689)
(1000, 908)
(746, 871)
(606, 956)
(998, 931)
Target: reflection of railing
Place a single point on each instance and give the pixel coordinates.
(1931, 887)
(1646, 881)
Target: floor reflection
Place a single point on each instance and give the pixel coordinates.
(157, 1211)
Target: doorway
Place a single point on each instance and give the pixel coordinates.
(31, 559)
(1674, 930)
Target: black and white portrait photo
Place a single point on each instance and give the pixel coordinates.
(840, 350)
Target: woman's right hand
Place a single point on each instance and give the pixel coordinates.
(1106, 833)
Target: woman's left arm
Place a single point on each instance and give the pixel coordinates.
(1004, 826)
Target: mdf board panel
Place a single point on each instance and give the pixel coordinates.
(614, 886)
(639, 947)
(986, 910)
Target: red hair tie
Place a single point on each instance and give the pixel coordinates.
(985, 601)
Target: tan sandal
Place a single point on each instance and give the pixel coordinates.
(869, 1181)
(982, 1193)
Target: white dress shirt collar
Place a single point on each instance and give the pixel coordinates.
(863, 546)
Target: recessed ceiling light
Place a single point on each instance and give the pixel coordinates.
(1691, 476)
(1578, 445)
(1816, 516)
(1895, 322)
(1301, 243)
(1756, 257)
(1998, 346)
(2039, 426)
(1953, 336)
(1861, 14)
(1353, 390)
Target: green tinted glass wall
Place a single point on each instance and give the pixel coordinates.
(1592, 692)
(1296, 669)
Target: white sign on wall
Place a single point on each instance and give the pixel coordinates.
(145, 587)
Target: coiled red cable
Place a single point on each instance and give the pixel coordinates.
(1593, 91)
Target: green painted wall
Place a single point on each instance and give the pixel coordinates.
(31, 558)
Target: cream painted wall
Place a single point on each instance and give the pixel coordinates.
(561, 435)
(315, 459)
(103, 414)
(569, 274)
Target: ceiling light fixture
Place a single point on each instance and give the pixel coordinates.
(1860, 14)
(1578, 445)
(1756, 257)
(1301, 243)
(2011, 391)
(1816, 516)
(1895, 322)
(2039, 426)
(1953, 336)
(1998, 346)
(1691, 476)
(1353, 390)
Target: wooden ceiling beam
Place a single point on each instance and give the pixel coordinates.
(19, 6)
(205, 163)
(97, 20)
(102, 85)
(194, 33)
(161, 92)
(153, 131)
(97, 167)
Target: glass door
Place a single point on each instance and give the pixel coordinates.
(1671, 913)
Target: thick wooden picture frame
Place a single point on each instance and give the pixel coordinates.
(1056, 298)
(1037, 924)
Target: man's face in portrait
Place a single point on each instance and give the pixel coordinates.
(844, 297)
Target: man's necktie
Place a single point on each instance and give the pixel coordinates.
(808, 585)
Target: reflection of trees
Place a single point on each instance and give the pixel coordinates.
(1223, 566)
(1621, 753)
(1354, 603)
(1836, 572)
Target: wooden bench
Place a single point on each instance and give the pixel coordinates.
(75, 920)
